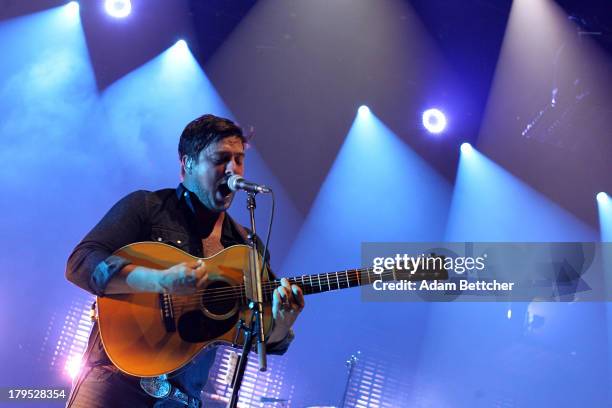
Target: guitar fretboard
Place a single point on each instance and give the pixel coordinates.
(325, 282)
(350, 278)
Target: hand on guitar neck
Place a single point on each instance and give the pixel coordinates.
(184, 278)
(287, 303)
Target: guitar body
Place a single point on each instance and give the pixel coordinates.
(150, 334)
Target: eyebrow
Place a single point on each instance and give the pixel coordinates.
(226, 153)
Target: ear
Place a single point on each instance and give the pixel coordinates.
(186, 163)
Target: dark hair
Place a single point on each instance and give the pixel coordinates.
(205, 130)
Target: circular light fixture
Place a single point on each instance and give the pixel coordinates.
(466, 148)
(118, 8)
(434, 120)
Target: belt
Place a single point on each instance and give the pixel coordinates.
(161, 388)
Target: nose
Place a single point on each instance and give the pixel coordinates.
(231, 167)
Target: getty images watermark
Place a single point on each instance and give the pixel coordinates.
(555, 271)
(414, 271)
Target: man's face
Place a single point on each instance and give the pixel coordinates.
(208, 173)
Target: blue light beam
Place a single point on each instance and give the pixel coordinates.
(49, 123)
(377, 189)
(604, 207)
(490, 204)
(394, 195)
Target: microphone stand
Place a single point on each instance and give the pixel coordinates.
(254, 293)
(350, 363)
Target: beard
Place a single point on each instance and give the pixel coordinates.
(217, 200)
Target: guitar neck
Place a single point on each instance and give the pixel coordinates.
(325, 282)
(350, 278)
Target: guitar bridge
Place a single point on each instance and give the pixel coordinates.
(167, 314)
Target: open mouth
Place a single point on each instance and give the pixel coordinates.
(223, 189)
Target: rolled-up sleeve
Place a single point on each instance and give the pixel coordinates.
(92, 263)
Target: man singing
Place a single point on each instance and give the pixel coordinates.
(193, 218)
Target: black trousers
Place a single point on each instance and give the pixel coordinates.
(107, 387)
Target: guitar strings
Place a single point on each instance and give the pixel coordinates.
(275, 283)
(221, 295)
(304, 281)
(235, 293)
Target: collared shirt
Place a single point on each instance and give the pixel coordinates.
(166, 216)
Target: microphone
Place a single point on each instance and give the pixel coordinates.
(236, 182)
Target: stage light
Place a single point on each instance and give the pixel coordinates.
(434, 121)
(73, 8)
(604, 207)
(466, 148)
(118, 8)
(180, 51)
(363, 110)
(73, 366)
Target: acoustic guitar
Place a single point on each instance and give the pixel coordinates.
(151, 334)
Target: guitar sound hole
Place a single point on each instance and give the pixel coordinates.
(220, 298)
(218, 314)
